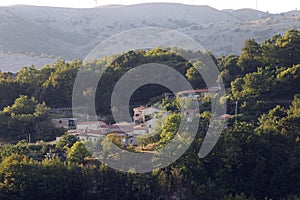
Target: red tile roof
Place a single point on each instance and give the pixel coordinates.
(193, 91)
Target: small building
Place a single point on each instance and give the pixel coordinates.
(137, 114)
(95, 125)
(140, 130)
(142, 114)
(189, 115)
(121, 127)
(90, 136)
(151, 124)
(170, 96)
(198, 93)
(130, 140)
(67, 123)
(193, 94)
(86, 135)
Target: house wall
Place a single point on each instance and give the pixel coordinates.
(130, 141)
(140, 131)
(87, 126)
(141, 112)
(149, 111)
(150, 124)
(64, 123)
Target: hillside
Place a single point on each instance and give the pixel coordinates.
(73, 33)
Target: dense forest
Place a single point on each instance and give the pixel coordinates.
(256, 157)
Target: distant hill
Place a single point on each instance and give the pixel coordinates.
(73, 33)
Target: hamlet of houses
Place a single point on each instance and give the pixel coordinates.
(92, 131)
(142, 124)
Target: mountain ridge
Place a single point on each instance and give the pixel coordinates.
(72, 33)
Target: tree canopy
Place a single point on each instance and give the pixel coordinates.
(256, 157)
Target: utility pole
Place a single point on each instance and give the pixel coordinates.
(29, 138)
(96, 3)
(236, 111)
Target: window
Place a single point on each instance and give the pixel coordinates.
(71, 123)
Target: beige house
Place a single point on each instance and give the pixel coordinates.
(67, 123)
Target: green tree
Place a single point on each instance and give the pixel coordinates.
(22, 105)
(289, 48)
(290, 124)
(270, 123)
(59, 86)
(250, 58)
(27, 116)
(195, 78)
(282, 50)
(66, 141)
(9, 91)
(229, 69)
(287, 82)
(77, 153)
(170, 128)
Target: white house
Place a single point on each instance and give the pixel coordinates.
(140, 114)
(193, 94)
(189, 115)
(151, 123)
(140, 130)
(93, 137)
(121, 127)
(96, 125)
(130, 140)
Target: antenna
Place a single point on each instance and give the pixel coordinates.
(256, 4)
(236, 112)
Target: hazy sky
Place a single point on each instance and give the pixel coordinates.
(273, 6)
